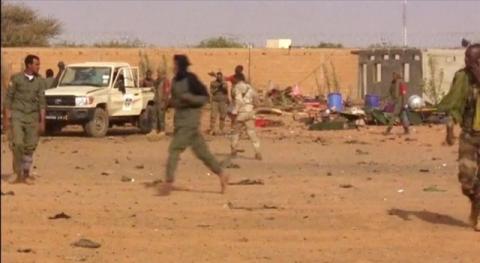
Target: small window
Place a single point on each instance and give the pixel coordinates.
(378, 72)
(372, 58)
(406, 72)
(397, 57)
(416, 57)
(386, 57)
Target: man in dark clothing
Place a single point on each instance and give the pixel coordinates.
(219, 103)
(189, 95)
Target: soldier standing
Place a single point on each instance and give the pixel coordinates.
(25, 116)
(219, 102)
(188, 97)
(148, 81)
(161, 89)
(397, 98)
(49, 79)
(462, 103)
(245, 100)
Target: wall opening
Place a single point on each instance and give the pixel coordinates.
(406, 72)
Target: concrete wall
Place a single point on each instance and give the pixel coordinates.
(268, 67)
(391, 60)
(440, 65)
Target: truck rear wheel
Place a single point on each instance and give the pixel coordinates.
(145, 120)
(98, 125)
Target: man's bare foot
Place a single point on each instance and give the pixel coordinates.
(223, 183)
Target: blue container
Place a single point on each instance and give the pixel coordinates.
(372, 101)
(335, 101)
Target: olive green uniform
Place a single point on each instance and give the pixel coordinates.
(188, 110)
(25, 98)
(158, 111)
(50, 83)
(463, 105)
(219, 103)
(398, 100)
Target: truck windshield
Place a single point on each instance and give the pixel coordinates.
(86, 76)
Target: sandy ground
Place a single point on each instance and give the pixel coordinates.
(345, 196)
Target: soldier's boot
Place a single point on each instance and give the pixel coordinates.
(475, 209)
(406, 130)
(450, 140)
(388, 131)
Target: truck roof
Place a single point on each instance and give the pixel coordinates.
(100, 64)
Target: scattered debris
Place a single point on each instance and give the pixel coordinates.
(86, 243)
(329, 174)
(355, 142)
(410, 140)
(360, 152)
(79, 168)
(117, 161)
(424, 170)
(346, 186)
(74, 151)
(106, 173)
(153, 183)
(62, 215)
(12, 193)
(127, 179)
(248, 182)
(204, 226)
(25, 250)
(263, 207)
(269, 111)
(321, 140)
(400, 191)
(433, 188)
(140, 166)
(232, 166)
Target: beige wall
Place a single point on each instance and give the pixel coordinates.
(280, 67)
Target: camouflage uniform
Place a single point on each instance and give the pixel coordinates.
(245, 97)
(188, 110)
(25, 98)
(219, 102)
(50, 83)
(461, 103)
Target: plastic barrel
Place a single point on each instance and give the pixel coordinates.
(335, 101)
(372, 101)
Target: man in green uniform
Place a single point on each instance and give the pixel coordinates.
(219, 102)
(148, 81)
(25, 116)
(462, 103)
(161, 88)
(188, 97)
(397, 99)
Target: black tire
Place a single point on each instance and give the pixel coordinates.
(98, 125)
(52, 129)
(144, 122)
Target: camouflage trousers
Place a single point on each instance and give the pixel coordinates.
(218, 112)
(23, 140)
(469, 163)
(245, 120)
(157, 117)
(183, 138)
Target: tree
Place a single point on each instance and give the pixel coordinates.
(135, 43)
(220, 42)
(327, 45)
(23, 26)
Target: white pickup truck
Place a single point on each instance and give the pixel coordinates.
(98, 95)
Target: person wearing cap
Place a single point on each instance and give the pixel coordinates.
(219, 103)
(188, 96)
(161, 89)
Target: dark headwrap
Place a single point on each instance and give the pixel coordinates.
(195, 85)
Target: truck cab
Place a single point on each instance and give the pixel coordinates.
(98, 95)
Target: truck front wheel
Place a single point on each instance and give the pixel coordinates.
(98, 125)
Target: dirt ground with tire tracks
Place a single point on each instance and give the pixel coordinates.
(344, 196)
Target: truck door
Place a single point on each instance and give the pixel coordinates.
(133, 94)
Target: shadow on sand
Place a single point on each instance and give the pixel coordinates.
(427, 216)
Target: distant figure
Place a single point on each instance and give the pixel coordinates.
(398, 101)
(462, 103)
(231, 96)
(245, 101)
(189, 95)
(219, 103)
(161, 88)
(49, 79)
(148, 81)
